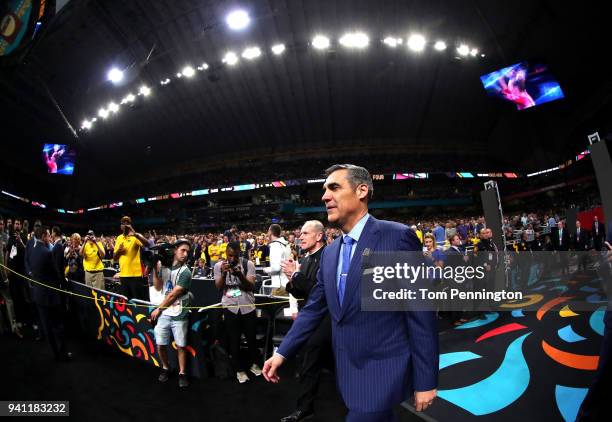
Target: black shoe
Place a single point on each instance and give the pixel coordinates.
(298, 415)
(183, 381)
(163, 375)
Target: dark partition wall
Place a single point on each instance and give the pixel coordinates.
(490, 205)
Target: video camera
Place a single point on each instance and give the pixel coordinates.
(164, 253)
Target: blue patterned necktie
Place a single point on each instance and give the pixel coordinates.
(346, 262)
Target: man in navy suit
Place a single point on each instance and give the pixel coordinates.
(48, 301)
(381, 357)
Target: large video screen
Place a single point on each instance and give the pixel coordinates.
(523, 84)
(59, 158)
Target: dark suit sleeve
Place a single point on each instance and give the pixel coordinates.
(423, 335)
(308, 318)
(58, 261)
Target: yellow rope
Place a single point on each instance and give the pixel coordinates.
(136, 304)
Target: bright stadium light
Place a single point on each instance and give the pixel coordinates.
(278, 49)
(355, 40)
(87, 124)
(474, 52)
(115, 75)
(230, 58)
(320, 42)
(188, 71)
(130, 98)
(416, 42)
(251, 53)
(144, 90)
(463, 50)
(392, 41)
(238, 20)
(440, 45)
(112, 107)
(103, 113)
(203, 66)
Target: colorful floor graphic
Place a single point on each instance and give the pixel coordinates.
(534, 360)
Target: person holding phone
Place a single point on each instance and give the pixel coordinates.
(93, 253)
(127, 253)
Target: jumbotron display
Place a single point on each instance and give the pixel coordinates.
(523, 84)
(59, 159)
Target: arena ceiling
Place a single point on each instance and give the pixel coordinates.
(303, 104)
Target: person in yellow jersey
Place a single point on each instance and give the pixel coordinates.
(214, 253)
(127, 253)
(223, 247)
(93, 252)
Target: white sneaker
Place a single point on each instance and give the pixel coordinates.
(255, 370)
(242, 377)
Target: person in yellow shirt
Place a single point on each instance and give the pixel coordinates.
(93, 252)
(223, 247)
(213, 252)
(127, 252)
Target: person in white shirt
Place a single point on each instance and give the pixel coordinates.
(279, 251)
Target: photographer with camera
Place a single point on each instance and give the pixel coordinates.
(236, 277)
(93, 253)
(172, 279)
(127, 252)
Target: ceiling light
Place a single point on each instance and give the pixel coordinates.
(86, 124)
(188, 71)
(113, 107)
(463, 50)
(115, 75)
(278, 49)
(355, 40)
(165, 81)
(251, 53)
(320, 42)
(392, 41)
(237, 20)
(416, 42)
(474, 52)
(440, 45)
(203, 66)
(144, 90)
(130, 98)
(230, 58)
(482, 55)
(103, 113)
(179, 75)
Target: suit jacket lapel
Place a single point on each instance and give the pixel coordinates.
(369, 239)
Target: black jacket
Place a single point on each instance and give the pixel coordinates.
(59, 263)
(304, 280)
(43, 271)
(582, 242)
(565, 240)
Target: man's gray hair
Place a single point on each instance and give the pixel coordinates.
(356, 176)
(316, 225)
